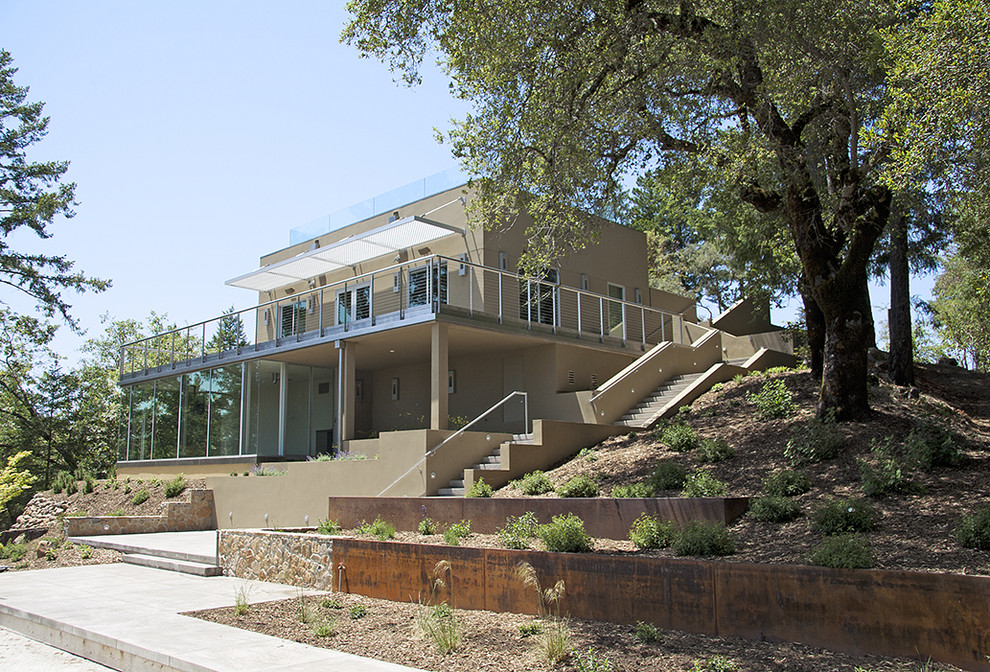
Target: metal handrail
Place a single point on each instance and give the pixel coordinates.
(463, 429)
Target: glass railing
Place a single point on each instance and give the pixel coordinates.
(395, 296)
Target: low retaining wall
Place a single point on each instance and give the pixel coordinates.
(603, 517)
(888, 613)
(196, 514)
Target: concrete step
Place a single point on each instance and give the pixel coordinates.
(124, 545)
(451, 492)
(172, 565)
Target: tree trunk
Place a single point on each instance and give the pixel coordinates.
(899, 318)
(814, 322)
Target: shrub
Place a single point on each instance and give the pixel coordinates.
(118, 512)
(578, 486)
(930, 445)
(786, 483)
(680, 437)
(701, 537)
(13, 552)
(331, 603)
(324, 627)
(888, 476)
(715, 450)
(328, 526)
(437, 621)
(358, 611)
(668, 475)
(530, 629)
(519, 530)
(647, 632)
(85, 552)
(650, 532)
(632, 490)
(714, 664)
(455, 532)
(565, 534)
(815, 441)
(590, 661)
(63, 482)
(140, 497)
(841, 516)
(175, 487)
(774, 509)
(428, 526)
(87, 485)
(701, 483)
(555, 635)
(534, 483)
(773, 401)
(479, 489)
(974, 529)
(241, 603)
(380, 529)
(848, 551)
(589, 454)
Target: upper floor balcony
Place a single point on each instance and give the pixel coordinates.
(422, 290)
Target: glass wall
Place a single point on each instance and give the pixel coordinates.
(225, 410)
(141, 422)
(194, 414)
(261, 404)
(166, 440)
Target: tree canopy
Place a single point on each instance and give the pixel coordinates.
(32, 195)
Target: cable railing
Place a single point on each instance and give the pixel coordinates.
(463, 429)
(388, 297)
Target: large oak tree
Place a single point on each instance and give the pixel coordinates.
(572, 96)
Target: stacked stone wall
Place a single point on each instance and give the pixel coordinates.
(196, 514)
(304, 560)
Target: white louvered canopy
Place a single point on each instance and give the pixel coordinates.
(388, 239)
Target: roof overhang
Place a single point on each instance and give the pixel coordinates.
(391, 238)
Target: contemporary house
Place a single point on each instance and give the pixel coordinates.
(379, 332)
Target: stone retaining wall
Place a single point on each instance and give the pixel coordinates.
(293, 558)
(196, 514)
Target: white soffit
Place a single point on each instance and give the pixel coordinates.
(388, 239)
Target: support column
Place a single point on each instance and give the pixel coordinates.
(345, 392)
(438, 376)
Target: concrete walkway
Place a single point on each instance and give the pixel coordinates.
(128, 617)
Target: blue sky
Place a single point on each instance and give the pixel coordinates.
(200, 132)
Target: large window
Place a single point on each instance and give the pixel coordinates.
(293, 318)
(424, 289)
(225, 410)
(538, 298)
(166, 407)
(353, 304)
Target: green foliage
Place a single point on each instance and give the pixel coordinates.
(63, 482)
(842, 516)
(15, 479)
(555, 634)
(815, 441)
(324, 627)
(380, 529)
(328, 527)
(534, 483)
(578, 486)
(647, 633)
(455, 532)
(519, 530)
(331, 603)
(700, 537)
(774, 509)
(435, 620)
(632, 490)
(714, 664)
(51, 555)
(667, 475)
(715, 450)
(786, 483)
(530, 629)
(590, 661)
(974, 529)
(85, 552)
(565, 534)
(589, 454)
(846, 551)
(884, 474)
(140, 497)
(930, 445)
(241, 602)
(262, 470)
(701, 483)
(773, 401)
(13, 552)
(175, 487)
(479, 489)
(358, 611)
(428, 526)
(651, 532)
(680, 438)
(118, 512)
(87, 485)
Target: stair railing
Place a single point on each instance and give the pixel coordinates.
(463, 429)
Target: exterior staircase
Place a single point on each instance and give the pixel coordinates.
(661, 403)
(491, 462)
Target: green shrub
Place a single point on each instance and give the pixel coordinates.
(13, 552)
(647, 633)
(650, 532)
(140, 497)
(455, 532)
(519, 530)
(680, 437)
(815, 441)
(974, 529)
(668, 475)
(786, 483)
(590, 454)
(358, 611)
(85, 551)
(331, 603)
(714, 664)
(930, 445)
(701, 483)
(63, 482)
(632, 490)
(589, 661)
(118, 512)
(847, 551)
(774, 509)
(324, 627)
(534, 483)
(887, 475)
(773, 401)
(87, 485)
(328, 526)
(428, 526)
(380, 529)
(715, 450)
(565, 534)
(578, 486)
(702, 537)
(842, 516)
(439, 624)
(175, 487)
(530, 629)
(479, 489)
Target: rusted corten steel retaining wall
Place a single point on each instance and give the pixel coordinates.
(603, 517)
(911, 614)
